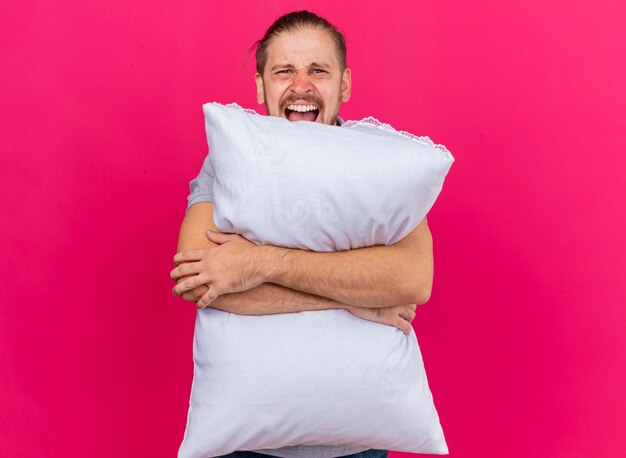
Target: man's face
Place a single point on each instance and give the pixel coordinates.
(302, 73)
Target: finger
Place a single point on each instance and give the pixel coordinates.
(195, 294)
(387, 316)
(189, 255)
(184, 269)
(208, 297)
(404, 325)
(219, 237)
(190, 296)
(407, 314)
(190, 283)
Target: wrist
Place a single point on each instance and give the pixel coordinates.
(273, 262)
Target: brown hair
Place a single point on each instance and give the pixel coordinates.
(297, 20)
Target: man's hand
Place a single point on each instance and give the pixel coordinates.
(399, 316)
(233, 266)
(195, 294)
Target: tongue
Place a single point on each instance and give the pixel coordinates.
(297, 116)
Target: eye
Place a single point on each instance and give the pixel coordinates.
(318, 70)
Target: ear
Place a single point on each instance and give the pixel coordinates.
(346, 85)
(260, 93)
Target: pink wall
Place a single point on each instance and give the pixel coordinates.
(102, 130)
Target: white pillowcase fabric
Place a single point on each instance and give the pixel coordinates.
(312, 377)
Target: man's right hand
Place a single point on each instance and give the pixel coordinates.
(195, 294)
(399, 316)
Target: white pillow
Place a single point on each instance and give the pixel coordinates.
(313, 377)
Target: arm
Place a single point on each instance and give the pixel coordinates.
(268, 298)
(379, 276)
(263, 299)
(367, 277)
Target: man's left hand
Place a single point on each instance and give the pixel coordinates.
(399, 316)
(235, 265)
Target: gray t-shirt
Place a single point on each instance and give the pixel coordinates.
(201, 190)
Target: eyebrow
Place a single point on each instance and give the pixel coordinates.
(312, 64)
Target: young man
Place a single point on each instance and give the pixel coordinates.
(301, 75)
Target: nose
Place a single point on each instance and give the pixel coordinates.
(301, 82)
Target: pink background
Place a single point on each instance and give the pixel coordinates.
(102, 130)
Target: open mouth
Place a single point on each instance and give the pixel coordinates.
(302, 112)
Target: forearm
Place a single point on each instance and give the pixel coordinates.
(379, 276)
(268, 298)
(365, 277)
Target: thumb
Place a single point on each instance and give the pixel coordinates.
(216, 237)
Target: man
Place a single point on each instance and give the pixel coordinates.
(301, 75)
